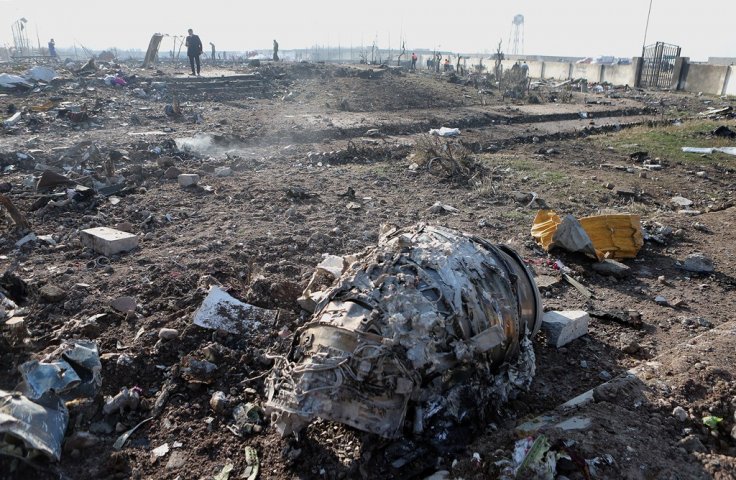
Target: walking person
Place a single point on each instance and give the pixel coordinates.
(413, 61)
(52, 49)
(194, 50)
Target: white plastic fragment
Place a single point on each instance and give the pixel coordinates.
(14, 119)
(161, 451)
(445, 132)
(706, 151)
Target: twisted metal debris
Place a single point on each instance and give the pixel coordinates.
(430, 321)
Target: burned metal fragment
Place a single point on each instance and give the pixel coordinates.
(429, 318)
(33, 418)
(29, 429)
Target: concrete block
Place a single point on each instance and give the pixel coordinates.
(188, 179)
(108, 241)
(564, 327)
(223, 171)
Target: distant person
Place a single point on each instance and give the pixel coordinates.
(213, 51)
(413, 61)
(525, 69)
(516, 70)
(437, 62)
(275, 51)
(194, 50)
(52, 48)
(447, 64)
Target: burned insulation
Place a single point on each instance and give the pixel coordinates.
(431, 324)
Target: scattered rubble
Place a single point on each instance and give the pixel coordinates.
(104, 149)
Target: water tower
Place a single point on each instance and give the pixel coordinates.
(516, 37)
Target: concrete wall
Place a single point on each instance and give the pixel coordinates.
(730, 87)
(556, 70)
(588, 71)
(619, 74)
(722, 60)
(694, 77)
(536, 69)
(700, 77)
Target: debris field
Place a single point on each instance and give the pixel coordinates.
(279, 272)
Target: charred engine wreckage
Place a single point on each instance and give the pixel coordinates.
(431, 329)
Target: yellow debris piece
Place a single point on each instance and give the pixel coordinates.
(544, 227)
(613, 236)
(45, 107)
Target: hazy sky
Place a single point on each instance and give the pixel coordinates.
(552, 27)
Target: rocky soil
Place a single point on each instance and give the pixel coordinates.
(319, 158)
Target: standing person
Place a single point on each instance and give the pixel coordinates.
(413, 61)
(194, 50)
(213, 51)
(524, 69)
(275, 51)
(52, 48)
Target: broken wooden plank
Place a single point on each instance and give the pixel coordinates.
(579, 286)
(20, 220)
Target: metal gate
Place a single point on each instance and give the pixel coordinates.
(658, 66)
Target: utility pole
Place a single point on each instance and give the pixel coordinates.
(646, 29)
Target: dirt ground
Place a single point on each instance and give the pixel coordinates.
(297, 137)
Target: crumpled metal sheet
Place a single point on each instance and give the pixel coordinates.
(31, 428)
(221, 311)
(429, 316)
(76, 374)
(33, 419)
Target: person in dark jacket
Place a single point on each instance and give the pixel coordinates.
(194, 50)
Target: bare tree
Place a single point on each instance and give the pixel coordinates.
(403, 52)
(498, 68)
